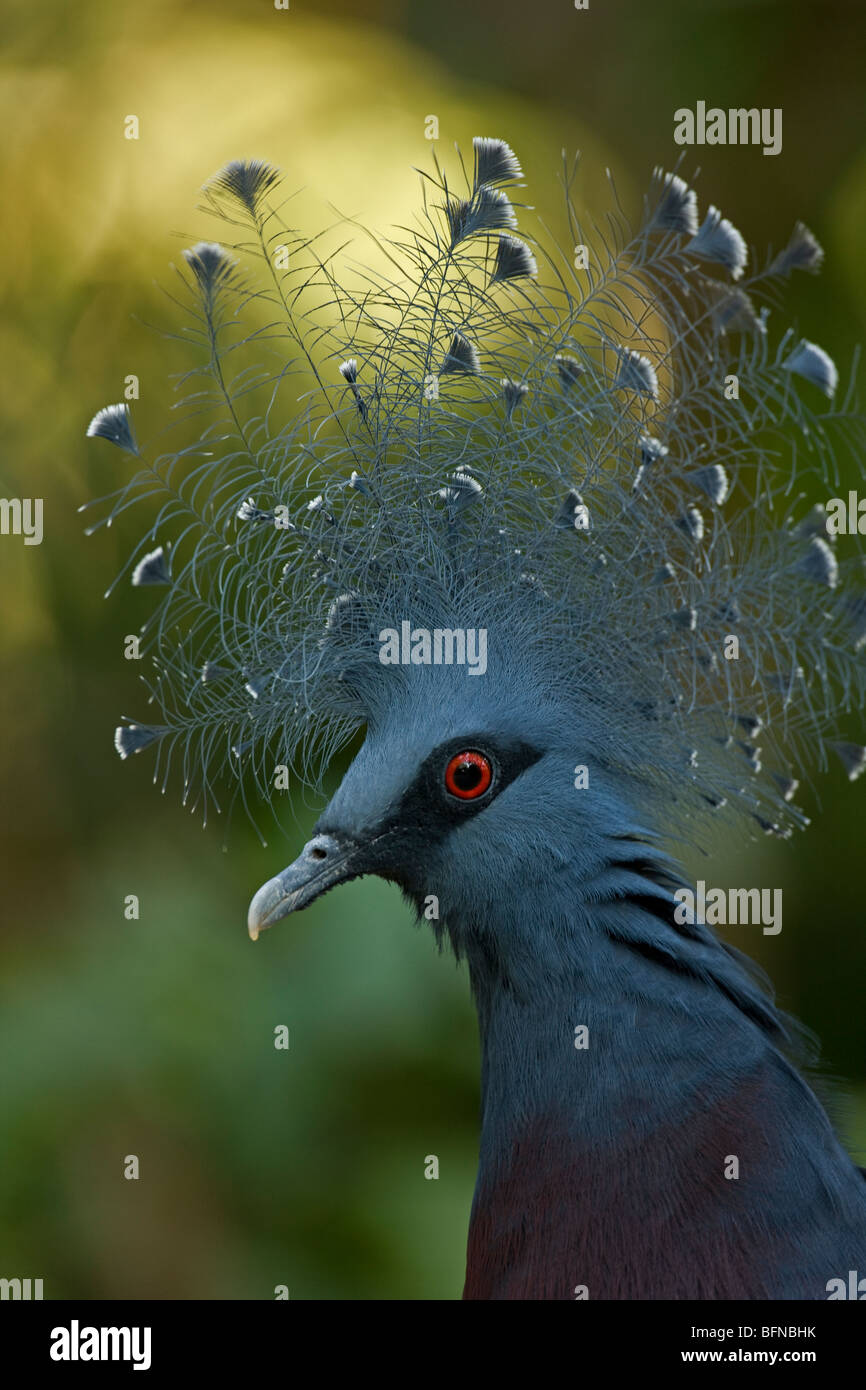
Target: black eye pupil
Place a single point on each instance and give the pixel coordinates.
(467, 776)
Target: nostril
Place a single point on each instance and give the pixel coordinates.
(318, 853)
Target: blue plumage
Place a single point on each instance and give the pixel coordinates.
(608, 471)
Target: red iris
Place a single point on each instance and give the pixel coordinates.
(468, 775)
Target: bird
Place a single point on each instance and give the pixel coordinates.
(546, 532)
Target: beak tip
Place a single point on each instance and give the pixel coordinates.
(322, 863)
(260, 915)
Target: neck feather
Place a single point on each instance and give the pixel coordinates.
(643, 1133)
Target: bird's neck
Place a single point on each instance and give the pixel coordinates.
(624, 1089)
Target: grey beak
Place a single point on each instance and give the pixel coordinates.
(322, 863)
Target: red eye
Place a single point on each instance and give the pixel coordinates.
(468, 775)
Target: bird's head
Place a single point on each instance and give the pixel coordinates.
(561, 460)
(465, 794)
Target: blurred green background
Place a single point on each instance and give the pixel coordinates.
(306, 1167)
